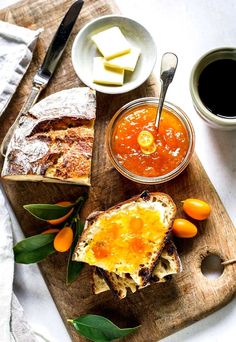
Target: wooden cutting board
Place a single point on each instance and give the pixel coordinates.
(160, 309)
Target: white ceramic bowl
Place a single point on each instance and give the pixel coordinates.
(83, 51)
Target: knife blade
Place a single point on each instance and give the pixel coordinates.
(45, 72)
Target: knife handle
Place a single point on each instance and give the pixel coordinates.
(32, 98)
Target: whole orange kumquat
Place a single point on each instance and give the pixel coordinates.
(183, 228)
(63, 239)
(197, 209)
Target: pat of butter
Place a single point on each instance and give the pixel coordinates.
(111, 43)
(126, 62)
(105, 75)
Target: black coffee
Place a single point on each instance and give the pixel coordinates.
(217, 87)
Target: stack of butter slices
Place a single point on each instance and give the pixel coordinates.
(128, 245)
(117, 56)
(54, 140)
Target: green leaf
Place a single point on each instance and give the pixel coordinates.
(30, 257)
(34, 248)
(99, 329)
(47, 212)
(74, 267)
(34, 242)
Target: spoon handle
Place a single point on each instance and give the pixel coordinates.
(169, 64)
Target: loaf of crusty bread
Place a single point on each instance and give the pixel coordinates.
(54, 140)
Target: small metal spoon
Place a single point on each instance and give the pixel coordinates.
(169, 64)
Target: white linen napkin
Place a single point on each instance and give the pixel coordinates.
(16, 49)
(13, 326)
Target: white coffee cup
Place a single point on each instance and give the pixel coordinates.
(210, 118)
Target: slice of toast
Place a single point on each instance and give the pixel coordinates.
(169, 263)
(129, 237)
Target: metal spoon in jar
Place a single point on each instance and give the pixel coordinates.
(169, 64)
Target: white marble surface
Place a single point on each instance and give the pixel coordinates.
(188, 28)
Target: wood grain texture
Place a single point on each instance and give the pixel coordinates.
(161, 309)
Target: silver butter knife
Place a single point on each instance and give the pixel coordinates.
(45, 72)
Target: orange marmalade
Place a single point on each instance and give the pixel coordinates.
(127, 237)
(170, 139)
